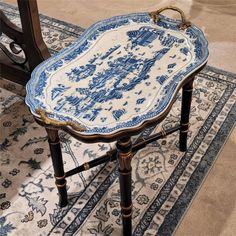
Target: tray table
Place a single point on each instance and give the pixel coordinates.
(121, 76)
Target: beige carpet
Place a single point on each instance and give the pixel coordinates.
(213, 211)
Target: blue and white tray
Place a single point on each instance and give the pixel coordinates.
(121, 72)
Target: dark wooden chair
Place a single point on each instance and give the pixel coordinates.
(29, 39)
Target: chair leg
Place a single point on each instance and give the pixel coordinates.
(55, 148)
(185, 111)
(124, 147)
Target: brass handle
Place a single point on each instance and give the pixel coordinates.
(49, 121)
(183, 25)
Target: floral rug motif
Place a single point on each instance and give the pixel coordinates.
(164, 179)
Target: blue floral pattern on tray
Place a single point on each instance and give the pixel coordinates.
(121, 72)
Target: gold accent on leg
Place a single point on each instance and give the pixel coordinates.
(126, 173)
(126, 154)
(126, 216)
(127, 208)
(185, 124)
(60, 177)
(61, 185)
(125, 161)
(188, 90)
(184, 131)
(55, 143)
(86, 166)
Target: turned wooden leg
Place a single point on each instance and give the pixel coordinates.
(124, 147)
(185, 111)
(55, 148)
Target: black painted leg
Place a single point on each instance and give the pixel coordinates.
(185, 111)
(55, 148)
(125, 155)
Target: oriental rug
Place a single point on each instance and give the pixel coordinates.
(164, 179)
